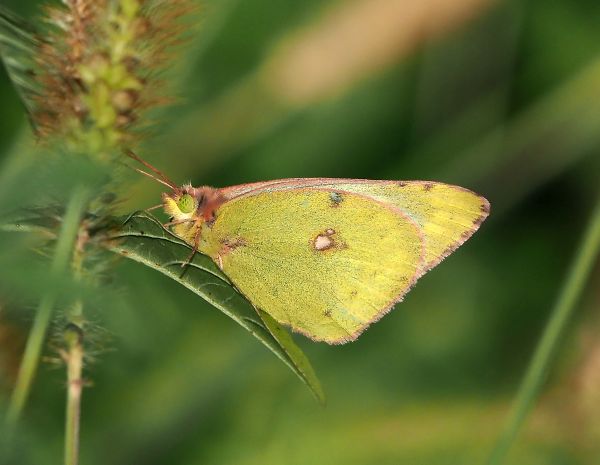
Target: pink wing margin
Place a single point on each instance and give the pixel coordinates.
(254, 188)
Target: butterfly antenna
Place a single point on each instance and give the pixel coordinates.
(162, 178)
(151, 176)
(154, 207)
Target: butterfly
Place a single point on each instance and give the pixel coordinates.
(325, 257)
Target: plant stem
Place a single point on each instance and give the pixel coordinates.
(538, 368)
(74, 358)
(60, 261)
(73, 337)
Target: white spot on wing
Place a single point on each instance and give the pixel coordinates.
(323, 242)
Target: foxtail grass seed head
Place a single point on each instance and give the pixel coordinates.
(99, 68)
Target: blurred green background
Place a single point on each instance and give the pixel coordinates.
(500, 97)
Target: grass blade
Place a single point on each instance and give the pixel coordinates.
(60, 262)
(538, 368)
(19, 43)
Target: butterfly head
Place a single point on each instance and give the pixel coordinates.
(181, 203)
(187, 202)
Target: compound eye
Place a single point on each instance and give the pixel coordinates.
(186, 203)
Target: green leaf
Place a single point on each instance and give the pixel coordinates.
(142, 238)
(294, 352)
(19, 45)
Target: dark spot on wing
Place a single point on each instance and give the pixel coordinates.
(327, 313)
(336, 198)
(230, 244)
(485, 207)
(427, 186)
(402, 184)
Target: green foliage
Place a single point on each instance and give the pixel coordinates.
(577, 278)
(18, 44)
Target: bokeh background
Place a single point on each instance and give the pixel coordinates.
(502, 97)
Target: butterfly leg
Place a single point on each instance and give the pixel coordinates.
(188, 260)
(174, 223)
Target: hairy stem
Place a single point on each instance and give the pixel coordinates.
(73, 337)
(538, 368)
(60, 262)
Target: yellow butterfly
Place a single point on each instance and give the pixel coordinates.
(326, 257)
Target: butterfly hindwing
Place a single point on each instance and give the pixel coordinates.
(326, 262)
